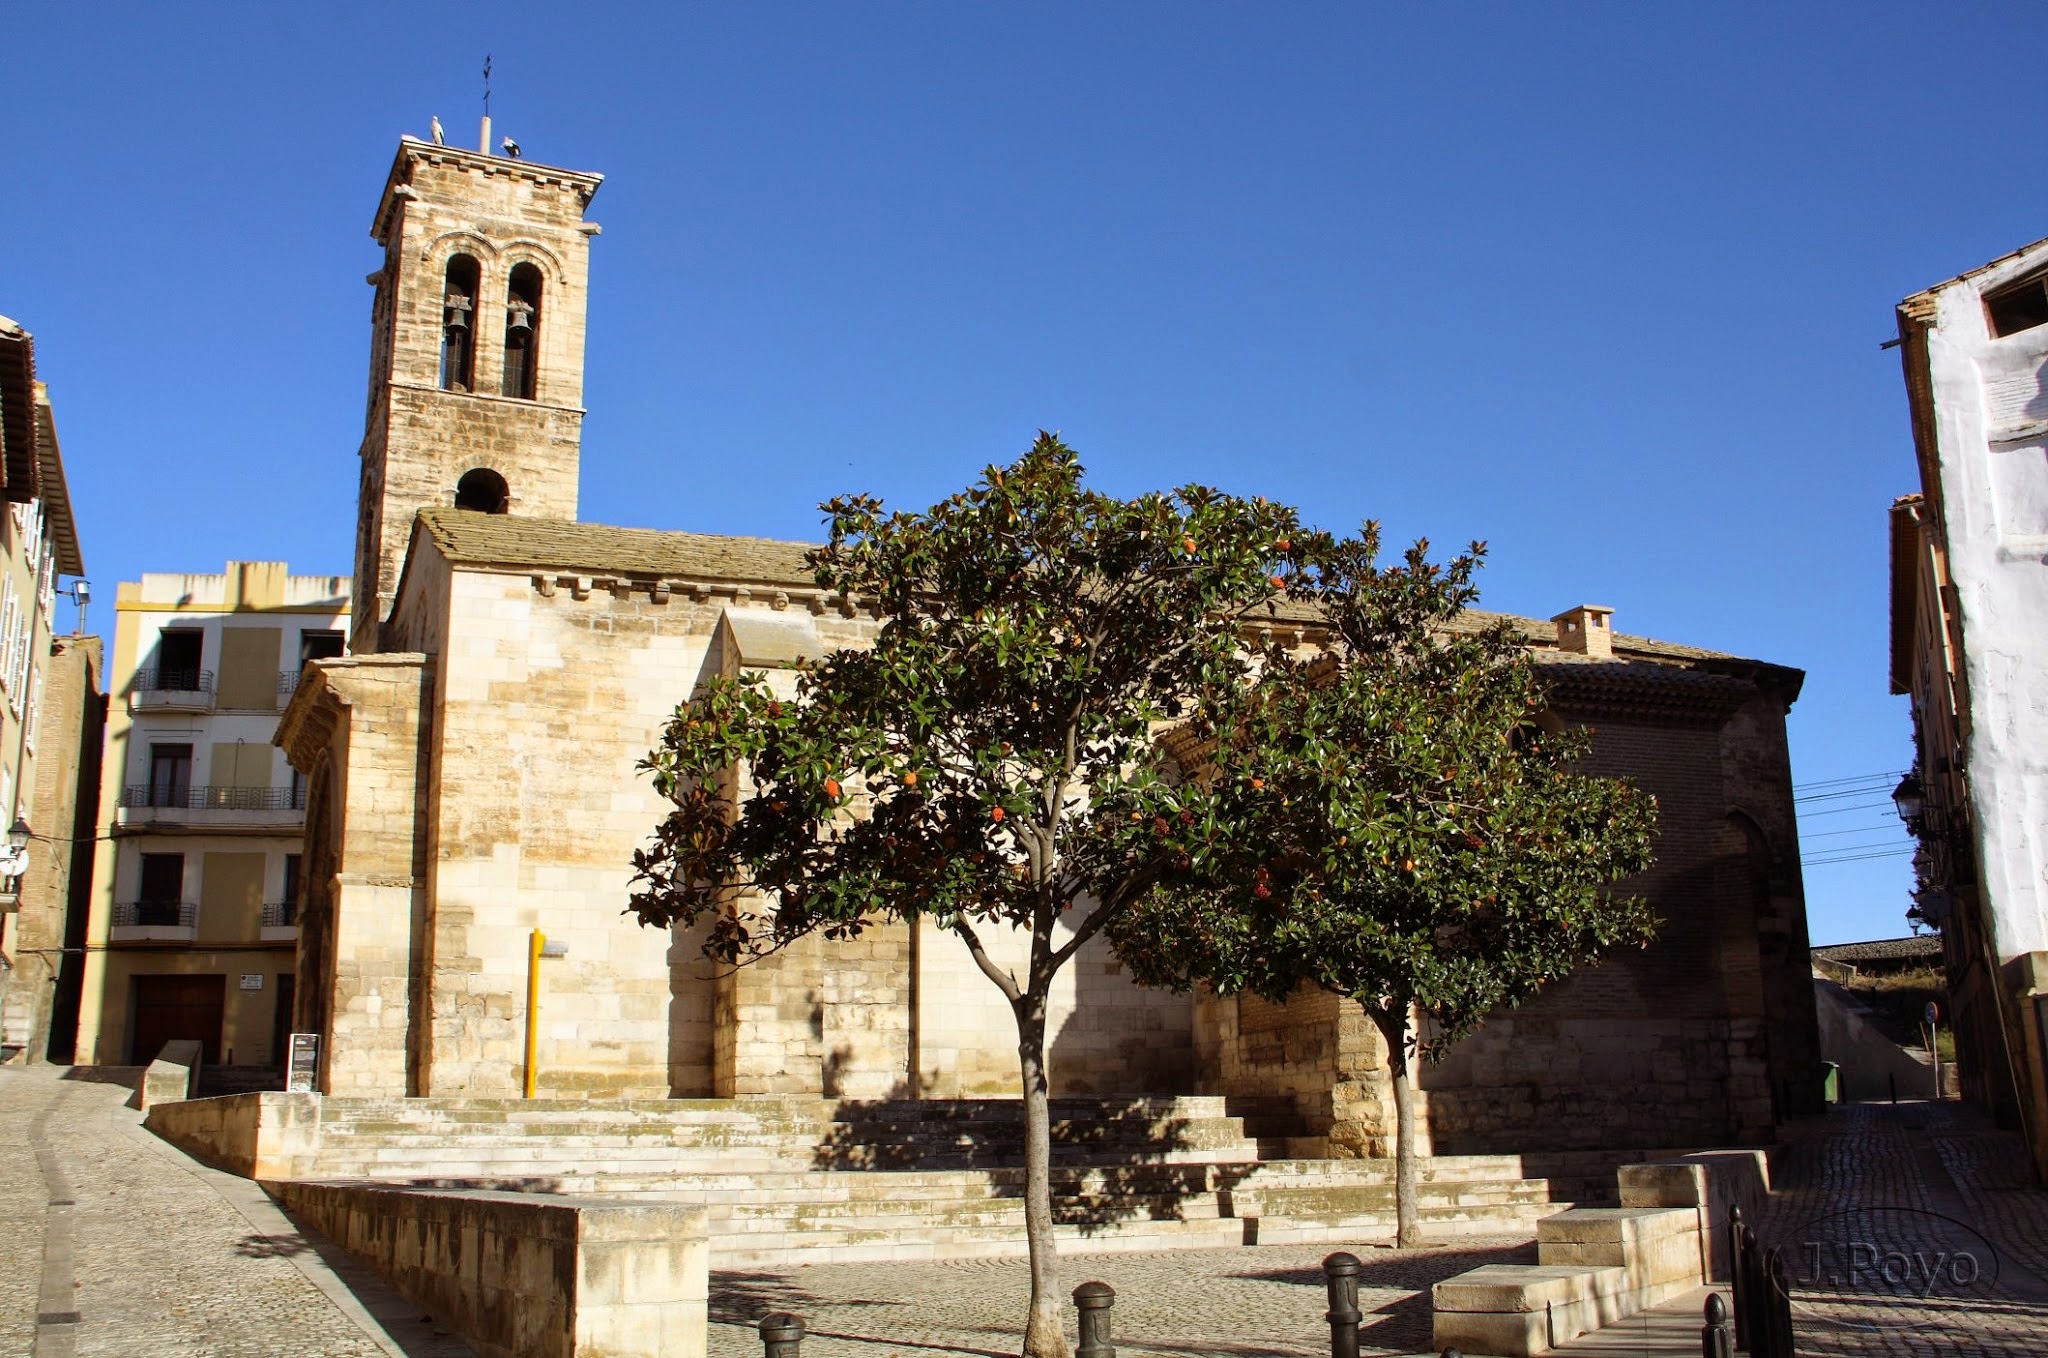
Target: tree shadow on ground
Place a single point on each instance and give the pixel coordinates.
(1113, 1160)
(1404, 1323)
(271, 1246)
(741, 1298)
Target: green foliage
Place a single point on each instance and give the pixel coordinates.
(990, 759)
(1402, 829)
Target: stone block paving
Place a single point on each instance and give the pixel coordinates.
(1215, 1303)
(160, 1255)
(1910, 1228)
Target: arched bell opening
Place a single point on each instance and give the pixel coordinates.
(458, 324)
(483, 491)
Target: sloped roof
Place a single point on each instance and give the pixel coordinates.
(55, 492)
(508, 542)
(468, 538)
(18, 411)
(1882, 950)
(1920, 306)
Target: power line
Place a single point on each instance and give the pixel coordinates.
(1844, 810)
(1843, 794)
(1894, 826)
(1858, 778)
(1862, 857)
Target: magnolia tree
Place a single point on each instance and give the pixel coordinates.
(1403, 832)
(989, 764)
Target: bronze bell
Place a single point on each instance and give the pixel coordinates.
(519, 316)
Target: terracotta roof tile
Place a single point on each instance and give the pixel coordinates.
(471, 539)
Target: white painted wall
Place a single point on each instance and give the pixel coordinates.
(1991, 430)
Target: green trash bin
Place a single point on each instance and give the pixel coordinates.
(1831, 1082)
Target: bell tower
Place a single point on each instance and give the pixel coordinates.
(476, 351)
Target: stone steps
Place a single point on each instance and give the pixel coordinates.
(781, 1218)
(790, 1181)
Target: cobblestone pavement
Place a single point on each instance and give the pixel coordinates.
(112, 1243)
(1909, 1229)
(1913, 1228)
(1262, 1300)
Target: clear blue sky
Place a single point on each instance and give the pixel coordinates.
(1602, 284)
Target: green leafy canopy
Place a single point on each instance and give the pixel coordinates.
(1406, 831)
(991, 757)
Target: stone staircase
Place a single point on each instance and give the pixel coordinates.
(787, 1180)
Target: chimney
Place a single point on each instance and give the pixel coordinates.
(1586, 630)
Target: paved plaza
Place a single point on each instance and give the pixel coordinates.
(112, 1243)
(1912, 1229)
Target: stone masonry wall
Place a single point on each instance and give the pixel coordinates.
(364, 909)
(420, 439)
(1661, 1046)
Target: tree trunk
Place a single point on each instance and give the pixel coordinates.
(1393, 1025)
(1045, 1331)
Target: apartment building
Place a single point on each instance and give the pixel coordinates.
(1970, 647)
(193, 927)
(42, 757)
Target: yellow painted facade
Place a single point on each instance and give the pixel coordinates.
(193, 923)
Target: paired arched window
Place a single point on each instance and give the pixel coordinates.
(522, 332)
(458, 325)
(484, 491)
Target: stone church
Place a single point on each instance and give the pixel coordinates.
(471, 779)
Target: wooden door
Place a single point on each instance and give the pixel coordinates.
(281, 1016)
(168, 1008)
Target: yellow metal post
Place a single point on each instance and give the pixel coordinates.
(533, 947)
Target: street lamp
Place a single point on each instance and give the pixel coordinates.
(14, 862)
(1910, 798)
(81, 595)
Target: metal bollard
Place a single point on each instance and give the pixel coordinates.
(1093, 1301)
(1341, 1270)
(1738, 1260)
(1451, 1352)
(1717, 1336)
(782, 1335)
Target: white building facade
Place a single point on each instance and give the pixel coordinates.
(1970, 645)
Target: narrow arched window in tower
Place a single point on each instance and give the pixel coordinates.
(484, 491)
(458, 324)
(522, 331)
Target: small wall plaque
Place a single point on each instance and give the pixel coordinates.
(303, 1072)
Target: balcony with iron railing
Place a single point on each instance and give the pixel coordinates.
(154, 803)
(171, 690)
(280, 920)
(169, 920)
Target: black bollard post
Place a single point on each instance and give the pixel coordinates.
(1341, 1270)
(782, 1335)
(1738, 1260)
(1093, 1301)
(1717, 1339)
(1894, 1082)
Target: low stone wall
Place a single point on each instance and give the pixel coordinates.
(1598, 1265)
(174, 1075)
(524, 1277)
(258, 1136)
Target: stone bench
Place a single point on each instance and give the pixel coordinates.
(174, 1076)
(1597, 1265)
